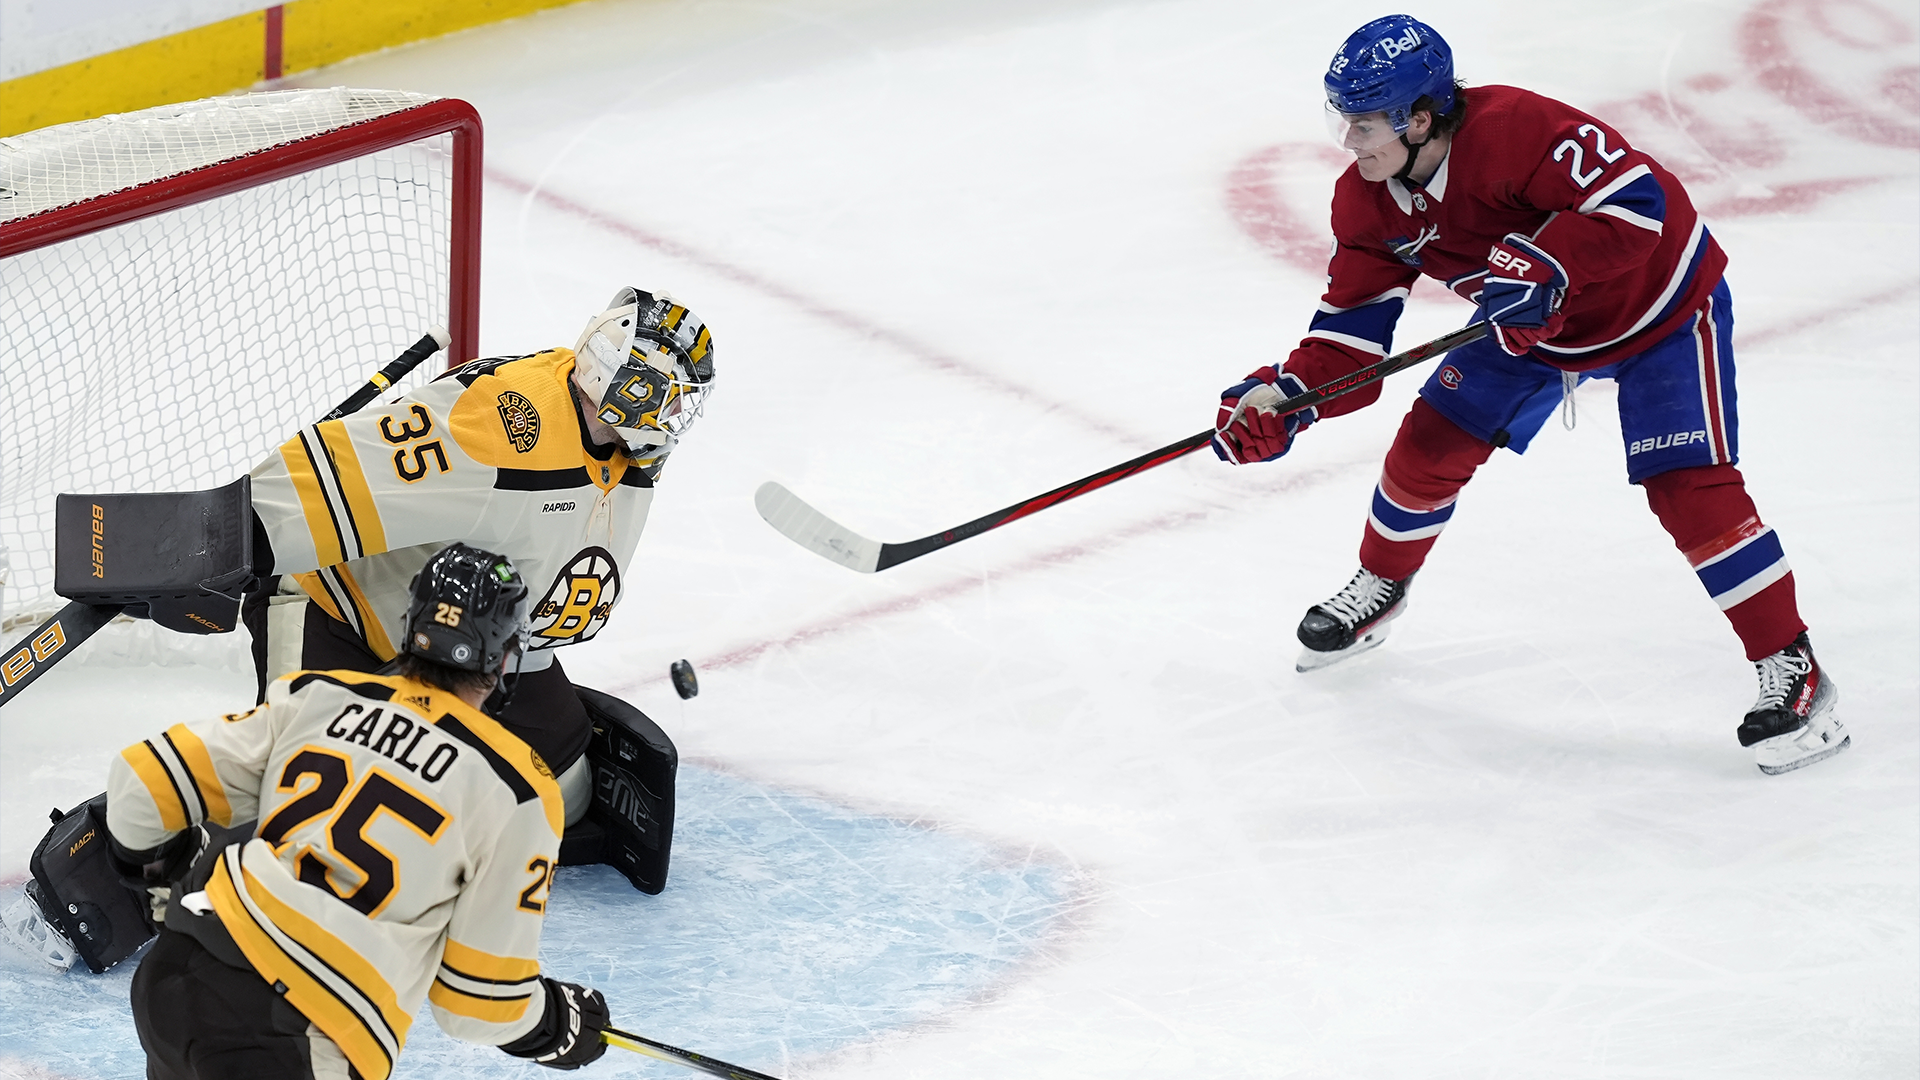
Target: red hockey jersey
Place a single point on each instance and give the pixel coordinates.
(1637, 257)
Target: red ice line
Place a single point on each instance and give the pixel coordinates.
(839, 317)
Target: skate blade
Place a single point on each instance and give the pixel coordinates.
(25, 928)
(1314, 661)
(1801, 763)
(1825, 726)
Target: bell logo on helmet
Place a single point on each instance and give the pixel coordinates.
(1406, 42)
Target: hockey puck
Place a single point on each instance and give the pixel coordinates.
(685, 683)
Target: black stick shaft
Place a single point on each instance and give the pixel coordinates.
(626, 1040)
(428, 344)
(894, 554)
(49, 643)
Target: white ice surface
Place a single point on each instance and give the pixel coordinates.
(958, 253)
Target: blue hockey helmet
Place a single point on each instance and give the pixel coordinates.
(1386, 66)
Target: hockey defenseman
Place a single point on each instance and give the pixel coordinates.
(1588, 260)
(549, 459)
(362, 842)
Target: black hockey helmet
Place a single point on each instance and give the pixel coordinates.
(469, 609)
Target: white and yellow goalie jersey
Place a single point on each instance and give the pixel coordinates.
(492, 454)
(405, 846)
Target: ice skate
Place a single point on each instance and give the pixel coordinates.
(1793, 724)
(23, 926)
(1353, 621)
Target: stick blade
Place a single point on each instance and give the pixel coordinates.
(815, 531)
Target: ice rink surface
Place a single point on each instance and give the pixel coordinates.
(954, 254)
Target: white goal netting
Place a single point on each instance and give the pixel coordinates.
(175, 351)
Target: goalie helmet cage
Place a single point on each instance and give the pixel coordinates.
(183, 287)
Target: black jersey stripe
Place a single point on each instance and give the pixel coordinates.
(181, 758)
(337, 492)
(374, 690)
(635, 476)
(522, 790)
(342, 600)
(326, 497)
(186, 811)
(489, 982)
(541, 479)
(521, 996)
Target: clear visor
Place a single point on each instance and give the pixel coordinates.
(1356, 132)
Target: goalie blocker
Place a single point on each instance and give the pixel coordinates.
(629, 824)
(180, 558)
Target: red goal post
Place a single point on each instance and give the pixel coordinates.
(182, 287)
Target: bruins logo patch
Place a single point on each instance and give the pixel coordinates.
(521, 420)
(578, 602)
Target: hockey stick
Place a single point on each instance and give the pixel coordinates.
(51, 642)
(433, 341)
(56, 638)
(640, 1044)
(829, 539)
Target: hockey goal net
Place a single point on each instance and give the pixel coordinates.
(181, 288)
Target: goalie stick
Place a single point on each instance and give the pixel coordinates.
(56, 639)
(640, 1044)
(820, 534)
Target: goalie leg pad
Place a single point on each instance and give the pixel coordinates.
(630, 823)
(82, 895)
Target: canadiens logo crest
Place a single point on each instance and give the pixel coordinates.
(521, 420)
(578, 602)
(1450, 377)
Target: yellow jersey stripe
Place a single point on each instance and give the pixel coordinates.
(166, 795)
(313, 502)
(491, 1010)
(193, 753)
(304, 992)
(353, 486)
(474, 964)
(335, 953)
(317, 592)
(371, 628)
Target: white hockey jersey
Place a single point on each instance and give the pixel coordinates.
(490, 453)
(405, 846)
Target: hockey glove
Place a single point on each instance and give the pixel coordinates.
(1249, 426)
(569, 1035)
(1522, 294)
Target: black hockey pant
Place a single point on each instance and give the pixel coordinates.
(200, 1019)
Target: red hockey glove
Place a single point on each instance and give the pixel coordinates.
(1522, 294)
(1249, 426)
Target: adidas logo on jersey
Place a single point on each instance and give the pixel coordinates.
(1405, 43)
(1662, 442)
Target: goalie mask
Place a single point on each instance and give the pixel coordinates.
(469, 610)
(647, 365)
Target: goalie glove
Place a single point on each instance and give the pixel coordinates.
(568, 1036)
(1249, 426)
(1522, 294)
